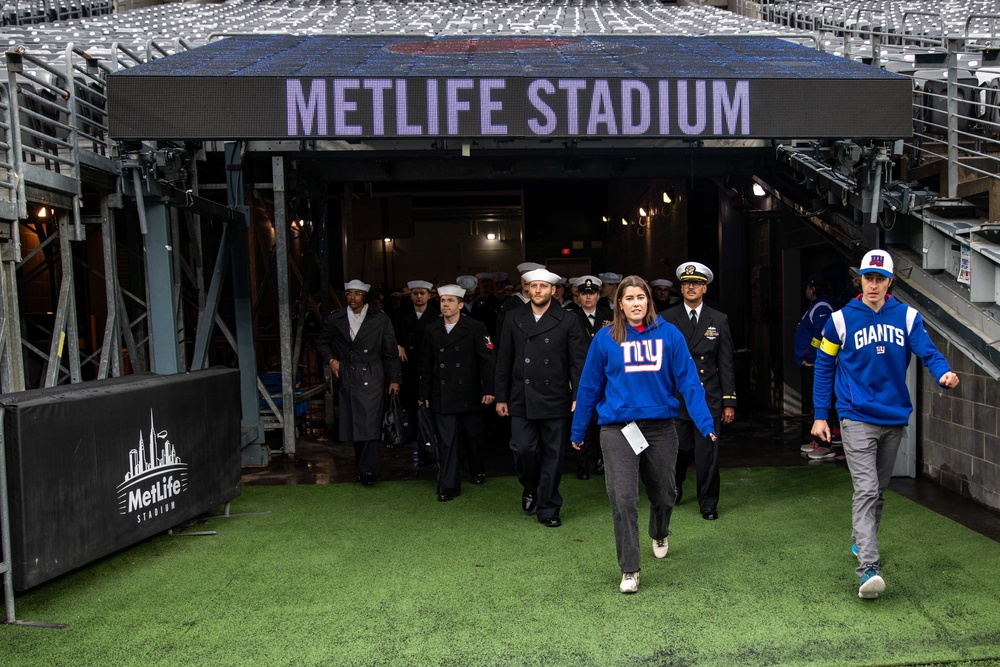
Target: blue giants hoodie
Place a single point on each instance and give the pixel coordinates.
(638, 379)
(868, 352)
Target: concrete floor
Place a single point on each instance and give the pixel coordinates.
(759, 440)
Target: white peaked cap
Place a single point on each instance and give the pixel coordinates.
(358, 285)
(541, 274)
(451, 290)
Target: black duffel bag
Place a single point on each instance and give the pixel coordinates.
(396, 428)
(427, 436)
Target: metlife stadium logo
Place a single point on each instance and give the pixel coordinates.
(155, 479)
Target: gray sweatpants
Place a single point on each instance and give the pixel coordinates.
(870, 450)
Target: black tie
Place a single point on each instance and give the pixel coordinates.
(694, 318)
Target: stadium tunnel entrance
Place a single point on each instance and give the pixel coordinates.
(434, 173)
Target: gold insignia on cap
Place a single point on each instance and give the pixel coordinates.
(689, 269)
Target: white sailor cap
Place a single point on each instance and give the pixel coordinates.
(588, 284)
(466, 282)
(661, 282)
(357, 285)
(542, 274)
(451, 290)
(694, 272)
(419, 284)
(610, 277)
(524, 267)
(485, 275)
(876, 261)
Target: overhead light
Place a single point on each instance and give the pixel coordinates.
(624, 222)
(605, 218)
(491, 236)
(387, 240)
(758, 190)
(642, 211)
(42, 212)
(666, 198)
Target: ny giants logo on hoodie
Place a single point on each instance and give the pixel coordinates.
(642, 356)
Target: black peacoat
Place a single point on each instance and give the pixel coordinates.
(456, 368)
(539, 363)
(711, 347)
(366, 364)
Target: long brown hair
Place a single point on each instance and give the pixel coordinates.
(618, 331)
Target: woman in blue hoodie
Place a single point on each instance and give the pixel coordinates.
(865, 350)
(633, 372)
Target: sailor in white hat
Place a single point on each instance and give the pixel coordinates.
(455, 382)
(609, 285)
(409, 323)
(542, 351)
(662, 299)
(711, 346)
(468, 283)
(358, 344)
(518, 299)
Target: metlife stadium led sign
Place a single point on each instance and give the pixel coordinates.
(367, 87)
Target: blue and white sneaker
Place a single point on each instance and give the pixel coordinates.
(854, 548)
(871, 584)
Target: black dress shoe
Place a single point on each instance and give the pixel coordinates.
(527, 502)
(710, 515)
(551, 522)
(677, 495)
(583, 474)
(367, 478)
(479, 478)
(600, 467)
(445, 496)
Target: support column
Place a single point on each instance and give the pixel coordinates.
(284, 318)
(160, 286)
(111, 349)
(11, 351)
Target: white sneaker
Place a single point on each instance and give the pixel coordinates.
(660, 548)
(808, 447)
(871, 585)
(630, 582)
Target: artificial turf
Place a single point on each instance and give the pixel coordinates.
(349, 575)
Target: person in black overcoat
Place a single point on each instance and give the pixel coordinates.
(457, 364)
(519, 299)
(542, 351)
(409, 324)
(711, 347)
(359, 346)
(593, 316)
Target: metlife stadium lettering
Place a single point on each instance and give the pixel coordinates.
(517, 107)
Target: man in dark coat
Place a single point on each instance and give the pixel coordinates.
(485, 305)
(541, 356)
(359, 346)
(519, 299)
(457, 366)
(593, 316)
(711, 347)
(409, 324)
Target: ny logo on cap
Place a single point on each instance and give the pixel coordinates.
(876, 260)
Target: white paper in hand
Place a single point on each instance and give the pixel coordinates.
(635, 437)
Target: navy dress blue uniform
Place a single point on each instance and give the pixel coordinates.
(456, 370)
(589, 455)
(711, 347)
(538, 370)
(409, 332)
(367, 363)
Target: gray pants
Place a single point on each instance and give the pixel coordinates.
(870, 450)
(622, 470)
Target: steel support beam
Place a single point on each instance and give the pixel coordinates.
(284, 318)
(11, 351)
(160, 288)
(111, 349)
(206, 322)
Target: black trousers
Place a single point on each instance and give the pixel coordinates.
(705, 454)
(807, 374)
(538, 446)
(586, 457)
(461, 436)
(366, 455)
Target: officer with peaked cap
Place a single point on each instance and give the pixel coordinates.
(541, 356)
(593, 316)
(609, 283)
(358, 344)
(518, 299)
(711, 347)
(409, 324)
(457, 364)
